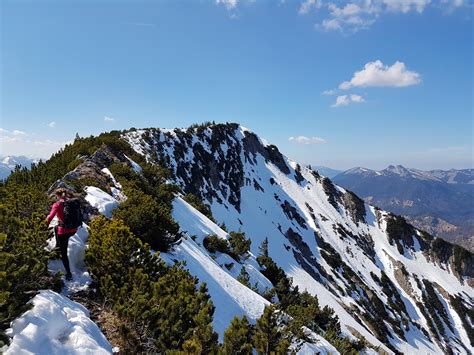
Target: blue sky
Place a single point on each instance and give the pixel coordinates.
(342, 84)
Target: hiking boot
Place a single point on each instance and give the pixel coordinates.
(68, 276)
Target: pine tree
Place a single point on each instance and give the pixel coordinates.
(267, 336)
(264, 248)
(244, 277)
(203, 333)
(238, 337)
(239, 245)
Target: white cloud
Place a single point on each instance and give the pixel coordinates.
(329, 92)
(52, 124)
(357, 98)
(307, 140)
(3, 131)
(16, 143)
(17, 133)
(109, 119)
(356, 15)
(229, 4)
(332, 25)
(308, 5)
(353, 16)
(344, 100)
(376, 74)
(405, 6)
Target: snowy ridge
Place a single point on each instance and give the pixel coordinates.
(395, 289)
(453, 176)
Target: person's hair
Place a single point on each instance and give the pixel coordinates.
(62, 192)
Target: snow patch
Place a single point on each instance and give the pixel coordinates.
(101, 200)
(56, 325)
(137, 168)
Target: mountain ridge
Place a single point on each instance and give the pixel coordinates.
(396, 286)
(439, 201)
(231, 168)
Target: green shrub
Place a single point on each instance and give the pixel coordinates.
(244, 277)
(148, 219)
(238, 337)
(162, 303)
(23, 259)
(213, 244)
(268, 336)
(239, 245)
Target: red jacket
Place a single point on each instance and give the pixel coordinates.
(58, 210)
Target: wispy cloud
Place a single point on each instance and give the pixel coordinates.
(109, 119)
(344, 100)
(356, 15)
(307, 140)
(376, 74)
(52, 124)
(17, 142)
(308, 5)
(329, 92)
(17, 133)
(229, 4)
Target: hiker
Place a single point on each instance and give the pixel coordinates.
(68, 211)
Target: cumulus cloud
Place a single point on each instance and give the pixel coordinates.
(229, 4)
(344, 100)
(52, 124)
(376, 74)
(109, 119)
(308, 5)
(307, 140)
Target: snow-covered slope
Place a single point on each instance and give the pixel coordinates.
(229, 296)
(398, 287)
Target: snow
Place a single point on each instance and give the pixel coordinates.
(116, 190)
(319, 345)
(56, 325)
(229, 296)
(137, 168)
(100, 200)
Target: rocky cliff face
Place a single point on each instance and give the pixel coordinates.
(395, 285)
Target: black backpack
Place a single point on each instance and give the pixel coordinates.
(72, 214)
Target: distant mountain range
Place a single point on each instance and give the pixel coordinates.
(7, 164)
(438, 201)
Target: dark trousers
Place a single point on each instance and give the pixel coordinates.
(63, 240)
